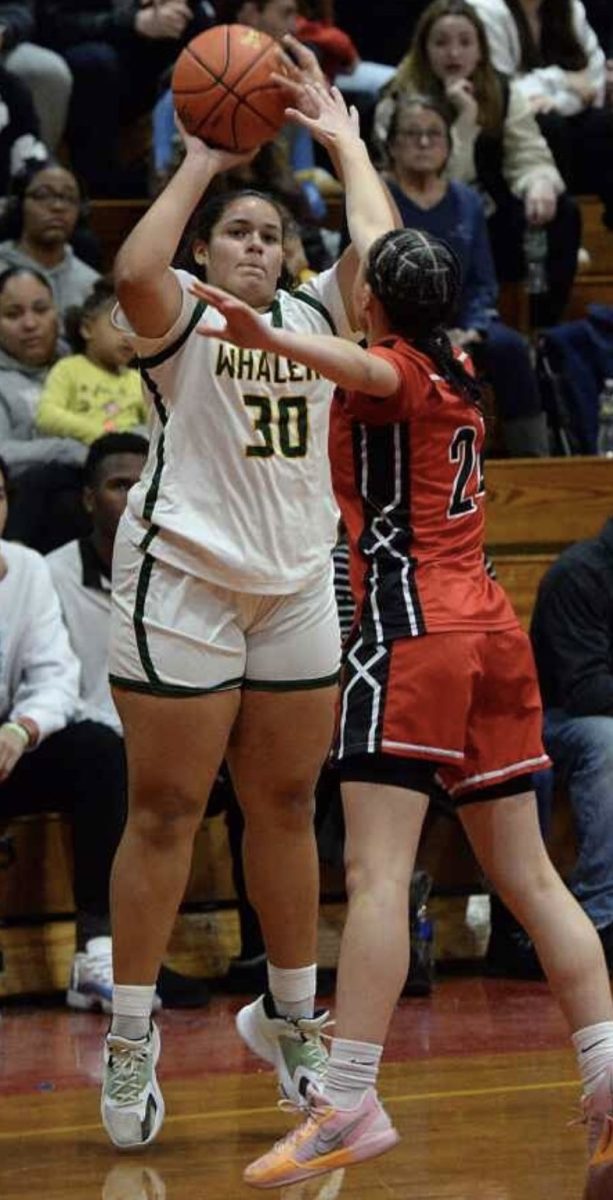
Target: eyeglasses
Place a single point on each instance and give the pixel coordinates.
(47, 195)
(422, 135)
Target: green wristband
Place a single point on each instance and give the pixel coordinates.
(15, 727)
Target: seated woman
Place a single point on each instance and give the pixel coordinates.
(418, 146)
(41, 219)
(552, 53)
(496, 145)
(93, 391)
(28, 349)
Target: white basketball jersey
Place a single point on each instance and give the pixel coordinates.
(236, 488)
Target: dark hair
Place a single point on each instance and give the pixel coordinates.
(228, 10)
(203, 221)
(111, 443)
(415, 73)
(417, 280)
(6, 475)
(559, 45)
(14, 272)
(101, 296)
(11, 220)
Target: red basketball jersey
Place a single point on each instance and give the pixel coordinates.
(408, 476)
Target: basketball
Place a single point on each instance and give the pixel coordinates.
(222, 88)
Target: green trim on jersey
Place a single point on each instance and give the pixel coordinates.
(155, 359)
(276, 313)
(154, 486)
(316, 304)
(290, 685)
(156, 395)
(172, 691)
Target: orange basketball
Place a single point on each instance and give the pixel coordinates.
(222, 88)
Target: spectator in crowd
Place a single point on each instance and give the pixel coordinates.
(20, 142)
(52, 761)
(497, 146)
(572, 637)
(117, 53)
(28, 349)
(358, 80)
(42, 216)
(81, 573)
(418, 147)
(94, 390)
(553, 55)
(45, 74)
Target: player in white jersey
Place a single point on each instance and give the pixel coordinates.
(225, 635)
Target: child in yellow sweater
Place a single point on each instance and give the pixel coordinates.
(93, 391)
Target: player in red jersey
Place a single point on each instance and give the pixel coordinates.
(439, 682)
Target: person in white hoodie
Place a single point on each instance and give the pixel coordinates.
(50, 760)
(550, 51)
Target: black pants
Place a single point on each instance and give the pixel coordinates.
(507, 227)
(583, 149)
(80, 771)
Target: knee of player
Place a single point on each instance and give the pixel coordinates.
(378, 881)
(166, 815)
(288, 806)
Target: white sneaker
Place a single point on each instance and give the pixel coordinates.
(91, 978)
(293, 1047)
(132, 1105)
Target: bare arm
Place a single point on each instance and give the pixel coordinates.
(370, 211)
(334, 357)
(147, 289)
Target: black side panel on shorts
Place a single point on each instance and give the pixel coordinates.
(365, 680)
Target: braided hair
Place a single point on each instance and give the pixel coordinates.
(417, 279)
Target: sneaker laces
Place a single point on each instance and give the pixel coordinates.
(99, 967)
(314, 1118)
(126, 1065)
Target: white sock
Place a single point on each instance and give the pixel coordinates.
(293, 990)
(352, 1068)
(132, 1006)
(594, 1050)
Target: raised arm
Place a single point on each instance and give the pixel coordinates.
(370, 209)
(334, 357)
(147, 289)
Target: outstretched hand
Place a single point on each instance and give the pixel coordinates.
(300, 67)
(331, 122)
(243, 325)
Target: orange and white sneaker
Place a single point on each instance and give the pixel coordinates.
(329, 1139)
(598, 1115)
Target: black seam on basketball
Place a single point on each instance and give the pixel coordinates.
(228, 91)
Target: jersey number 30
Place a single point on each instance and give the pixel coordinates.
(284, 432)
(462, 451)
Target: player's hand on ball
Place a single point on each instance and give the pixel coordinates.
(221, 160)
(244, 326)
(333, 123)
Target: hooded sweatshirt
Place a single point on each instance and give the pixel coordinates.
(72, 279)
(20, 444)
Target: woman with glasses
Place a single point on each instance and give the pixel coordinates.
(418, 147)
(496, 146)
(43, 214)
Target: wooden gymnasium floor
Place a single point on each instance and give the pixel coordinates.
(478, 1078)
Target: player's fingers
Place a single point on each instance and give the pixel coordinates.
(294, 114)
(210, 332)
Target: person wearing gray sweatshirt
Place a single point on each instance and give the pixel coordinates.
(28, 348)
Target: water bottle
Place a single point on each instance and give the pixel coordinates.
(535, 254)
(604, 444)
